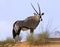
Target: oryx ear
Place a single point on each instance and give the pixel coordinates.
(34, 13)
(42, 13)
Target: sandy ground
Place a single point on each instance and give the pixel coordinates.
(45, 45)
(25, 44)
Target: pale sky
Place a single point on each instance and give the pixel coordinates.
(12, 10)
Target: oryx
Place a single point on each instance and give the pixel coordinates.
(28, 23)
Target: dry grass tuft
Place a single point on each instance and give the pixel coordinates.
(7, 42)
(41, 39)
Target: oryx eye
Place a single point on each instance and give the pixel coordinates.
(42, 13)
(34, 13)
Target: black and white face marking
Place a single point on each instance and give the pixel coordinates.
(38, 13)
(41, 16)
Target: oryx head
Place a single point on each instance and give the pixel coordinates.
(38, 13)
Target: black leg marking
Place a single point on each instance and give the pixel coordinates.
(14, 34)
(31, 30)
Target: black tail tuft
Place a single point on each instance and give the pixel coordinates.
(14, 34)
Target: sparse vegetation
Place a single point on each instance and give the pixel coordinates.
(30, 38)
(7, 42)
(17, 38)
(41, 39)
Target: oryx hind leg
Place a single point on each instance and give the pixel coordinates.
(16, 34)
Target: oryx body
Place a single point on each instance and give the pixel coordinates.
(28, 23)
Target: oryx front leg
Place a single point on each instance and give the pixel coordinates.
(31, 31)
